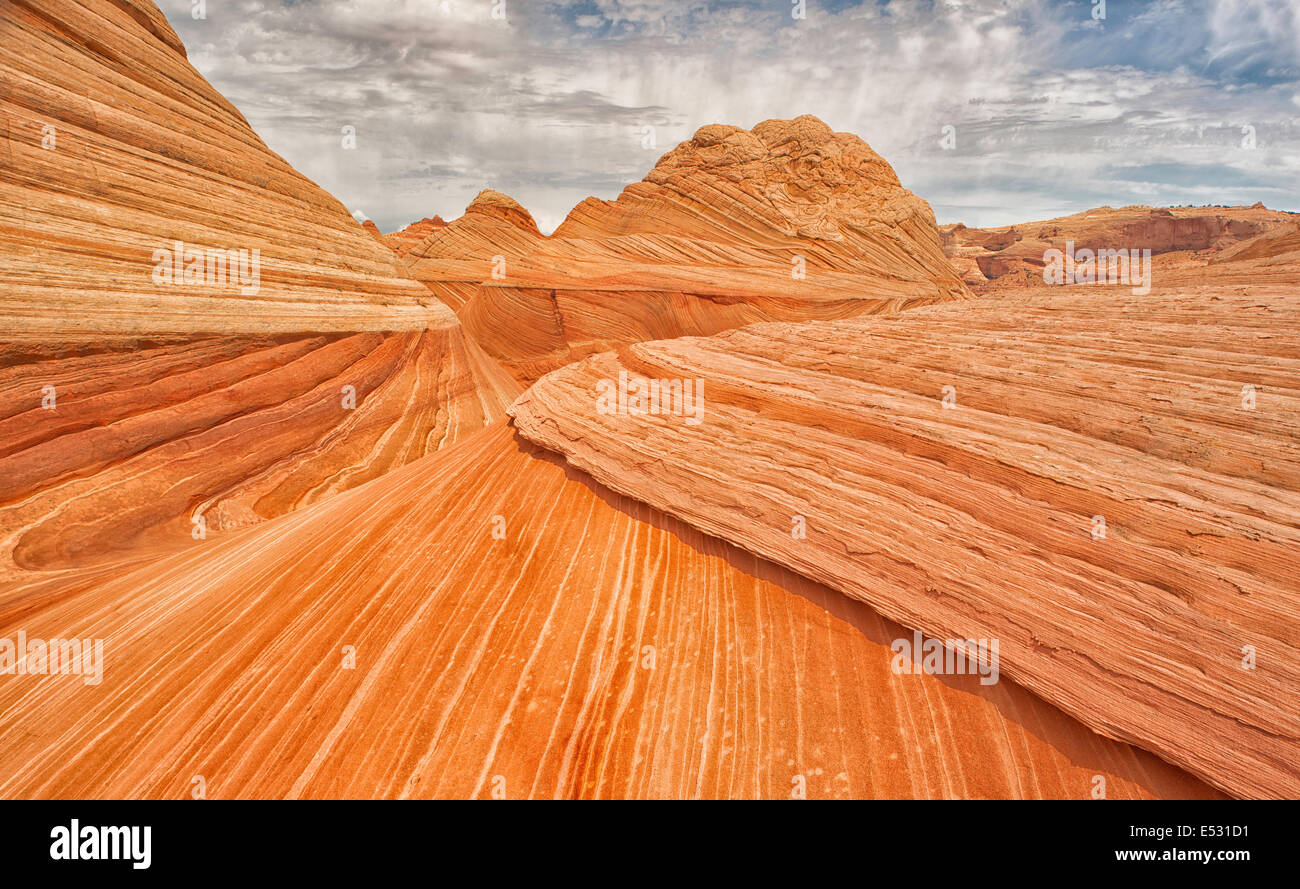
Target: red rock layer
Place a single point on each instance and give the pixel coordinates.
(401, 242)
(1012, 256)
(129, 407)
(591, 648)
(113, 147)
(788, 221)
(1177, 427)
(1271, 258)
(457, 257)
(120, 444)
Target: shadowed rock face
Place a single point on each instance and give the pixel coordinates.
(595, 648)
(788, 221)
(1012, 256)
(985, 519)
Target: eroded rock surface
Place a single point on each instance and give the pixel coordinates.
(956, 467)
(514, 630)
(788, 221)
(1012, 256)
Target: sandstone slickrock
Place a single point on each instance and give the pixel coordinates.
(144, 437)
(594, 648)
(454, 259)
(131, 408)
(115, 148)
(392, 600)
(414, 234)
(789, 221)
(1012, 256)
(1173, 419)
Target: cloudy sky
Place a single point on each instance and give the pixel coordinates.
(1054, 107)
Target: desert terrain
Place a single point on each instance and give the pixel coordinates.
(388, 515)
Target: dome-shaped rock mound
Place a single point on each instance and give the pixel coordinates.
(788, 221)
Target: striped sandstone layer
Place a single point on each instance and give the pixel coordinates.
(118, 444)
(401, 242)
(1012, 256)
(517, 631)
(1172, 418)
(788, 221)
(133, 411)
(478, 656)
(114, 148)
(454, 259)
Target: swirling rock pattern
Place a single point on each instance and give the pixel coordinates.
(1107, 484)
(789, 221)
(134, 411)
(317, 574)
(515, 631)
(143, 438)
(115, 148)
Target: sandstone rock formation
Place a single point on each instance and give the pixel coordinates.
(455, 259)
(594, 648)
(318, 574)
(789, 221)
(1012, 256)
(120, 443)
(402, 241)
(1121, 513)
(134, 403)
(125, 180)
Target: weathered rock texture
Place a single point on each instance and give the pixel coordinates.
(113, 147)
(978, 521)
(1012, 256)
(388, 599)
(595, 648)
(130, 408)
(401, 242)
(454, 259)
(789, 221)
(141, 436)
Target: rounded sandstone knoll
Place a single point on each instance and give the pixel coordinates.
(788, 221)
(796, 177)
(153, 207)
(454, 259)
(191, 328)
(401, 242)
(494, 203)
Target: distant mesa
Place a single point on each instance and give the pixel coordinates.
(1012, 256)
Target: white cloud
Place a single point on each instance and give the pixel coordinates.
(550, 105)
